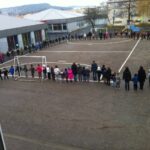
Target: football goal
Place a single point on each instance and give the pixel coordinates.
(24, 64)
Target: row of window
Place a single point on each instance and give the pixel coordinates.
(13, 42)
(57, 27)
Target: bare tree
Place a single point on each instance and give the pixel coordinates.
(92, 14)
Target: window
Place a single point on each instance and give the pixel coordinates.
(117, 22)
(50, 27)
(57, 27)
(64, 27)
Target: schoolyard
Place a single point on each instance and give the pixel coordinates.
(79, 116)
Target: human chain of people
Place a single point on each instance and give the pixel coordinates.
(72, 37)
(80, 73)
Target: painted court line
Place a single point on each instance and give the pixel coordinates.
(129, 55)
(104, 43)
(58, 62)
(11, 60)
(84, 51)
(41, 143)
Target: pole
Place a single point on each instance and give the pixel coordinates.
(129, 12)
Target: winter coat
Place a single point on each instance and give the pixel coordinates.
(70, 74)
(94, 67)
(127, 75)
(74, 69)
(135, 80)
(12, 70)
(39, 69)
(141, 75)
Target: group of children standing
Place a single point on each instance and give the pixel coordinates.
(79, 73)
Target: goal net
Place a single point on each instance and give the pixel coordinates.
(27, 66)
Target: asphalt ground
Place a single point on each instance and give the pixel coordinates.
(78, 116)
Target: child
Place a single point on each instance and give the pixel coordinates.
(118, 80)
(25, 71)
(5, 74)
(87, 70)
(48, 70)
(12, 71)
(70, 74)
(39, 71)
(57, 72)
(149, 76)
(32, 69)
(44, 71)
(113, 80)
(135, 82)
(1, 75)
(66, 74)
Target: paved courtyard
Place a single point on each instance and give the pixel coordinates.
(78, 116)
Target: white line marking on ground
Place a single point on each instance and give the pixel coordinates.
(41, 143)
(63, 63)
(24, 79)
(129, 55)
(84, 51)
(104, 43)
(7, 62)
(12, 60)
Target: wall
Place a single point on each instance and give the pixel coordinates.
(3, 45)
(76, 25)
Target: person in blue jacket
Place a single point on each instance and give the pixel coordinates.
(135, 82)
(12, 71)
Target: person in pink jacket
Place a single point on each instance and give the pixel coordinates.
(39, 70)
(70, 74)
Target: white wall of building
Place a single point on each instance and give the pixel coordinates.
(32, 38)
(20, 41)
(43, 35)
(76, 25)
(3, 45)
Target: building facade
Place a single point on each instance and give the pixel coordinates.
(19, 33)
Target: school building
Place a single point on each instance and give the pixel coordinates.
(60, 22)
(18, 33)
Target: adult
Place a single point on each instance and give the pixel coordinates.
(108, 76)
(75, 71)
(141, 77)
(127, 78)
(94, 70)
(80, 69)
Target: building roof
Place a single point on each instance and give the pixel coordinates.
(13, 26)
(53, 14)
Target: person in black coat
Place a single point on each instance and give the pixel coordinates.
(127, 78)
(1, 75)
(94, 70)
(75, 71)
(108, 76)
(141, 77)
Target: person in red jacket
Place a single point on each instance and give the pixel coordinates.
(39, 71)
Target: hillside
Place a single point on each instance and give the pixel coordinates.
(26, 9)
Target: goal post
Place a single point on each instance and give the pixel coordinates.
(21, 61)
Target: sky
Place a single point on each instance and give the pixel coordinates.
(12, 3)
